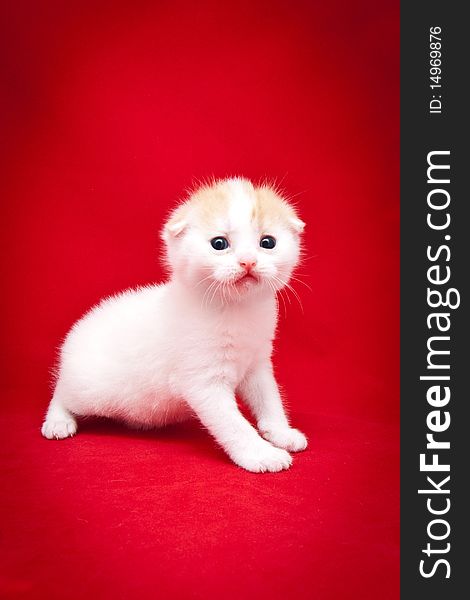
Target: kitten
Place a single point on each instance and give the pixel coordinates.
(162, 353)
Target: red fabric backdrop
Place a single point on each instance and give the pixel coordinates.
(110, 110)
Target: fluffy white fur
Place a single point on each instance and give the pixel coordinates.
(162, 353)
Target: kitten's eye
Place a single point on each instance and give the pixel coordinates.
(219, 243)
(267, 242)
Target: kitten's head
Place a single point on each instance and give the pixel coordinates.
(232, 239)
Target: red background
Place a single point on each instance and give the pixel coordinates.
(110, 110)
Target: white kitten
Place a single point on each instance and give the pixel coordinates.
(161, 353)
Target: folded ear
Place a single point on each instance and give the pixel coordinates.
(177, 222)
(297, 225)
(175, 226)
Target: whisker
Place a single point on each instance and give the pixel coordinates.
(202, 280)
(283, 296)
(288, 287)
(207, 292)
(283, 284)
(300, 281)
(217, 287)
(294, 291)
(275, 298)
(277, 293)
(295, 294)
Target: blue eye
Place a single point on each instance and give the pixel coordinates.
(219, 243)
(267, 242)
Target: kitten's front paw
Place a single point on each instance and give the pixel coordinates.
(262, 457)
(285, 437)
(58, 430)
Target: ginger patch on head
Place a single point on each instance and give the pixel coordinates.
(211, 203)
(270, 208)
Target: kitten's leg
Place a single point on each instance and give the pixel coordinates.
(260, 391)
(217, 409)
(59, 422)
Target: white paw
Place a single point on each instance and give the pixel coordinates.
(285, 437)
(262, 457)
(58, 430)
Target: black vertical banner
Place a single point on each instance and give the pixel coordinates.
(435, 267)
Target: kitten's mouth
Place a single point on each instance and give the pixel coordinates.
(247, 278)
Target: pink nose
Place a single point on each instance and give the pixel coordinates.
(247, 264)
